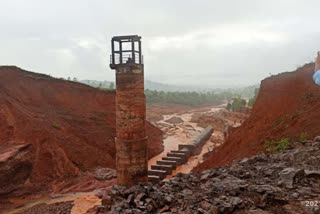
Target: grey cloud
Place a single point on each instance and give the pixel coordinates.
(207, 42)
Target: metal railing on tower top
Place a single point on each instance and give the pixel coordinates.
(126, 49)
(126, 58)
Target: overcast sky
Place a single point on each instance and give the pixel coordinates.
(208, 42)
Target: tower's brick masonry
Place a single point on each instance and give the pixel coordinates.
(131, 139)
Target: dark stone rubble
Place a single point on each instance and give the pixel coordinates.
(265, 183)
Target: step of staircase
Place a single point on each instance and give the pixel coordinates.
(179, 160)
(154, 179)
(172, 163)
(181, 155)
(188, 147)
(167, 168)
(187, 153)
(161, 173)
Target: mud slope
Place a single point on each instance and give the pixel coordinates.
(288, 105)
(52, 128)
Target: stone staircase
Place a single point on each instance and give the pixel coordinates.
(165, 166)
(178, 157)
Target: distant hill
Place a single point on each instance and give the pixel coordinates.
(242, 91)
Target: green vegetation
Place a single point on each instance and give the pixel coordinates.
(159, 93)
(192, 98)
(308, 96)
(276, 146)
(303, 136)
(187, 98)
(106, 89)
(237, 104)
(56, 126)
(229, 106)
(253, 99)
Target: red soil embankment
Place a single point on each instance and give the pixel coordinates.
(69, 128)
(288, 106)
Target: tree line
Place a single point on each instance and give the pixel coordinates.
(187, 98)
(193, 98)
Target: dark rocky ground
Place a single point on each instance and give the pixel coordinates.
(285, 182)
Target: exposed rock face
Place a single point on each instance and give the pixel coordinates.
(287, 106)
(69, 127)
(15, 166)
(265, 183)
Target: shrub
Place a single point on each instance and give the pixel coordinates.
(56, 126)
(106, 89)
(308, 96)
(303, 136)
(276, 146)
(238, 103)
(229, 107)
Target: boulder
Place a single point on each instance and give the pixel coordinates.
(105, 173)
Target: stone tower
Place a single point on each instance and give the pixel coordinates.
(131, 140)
